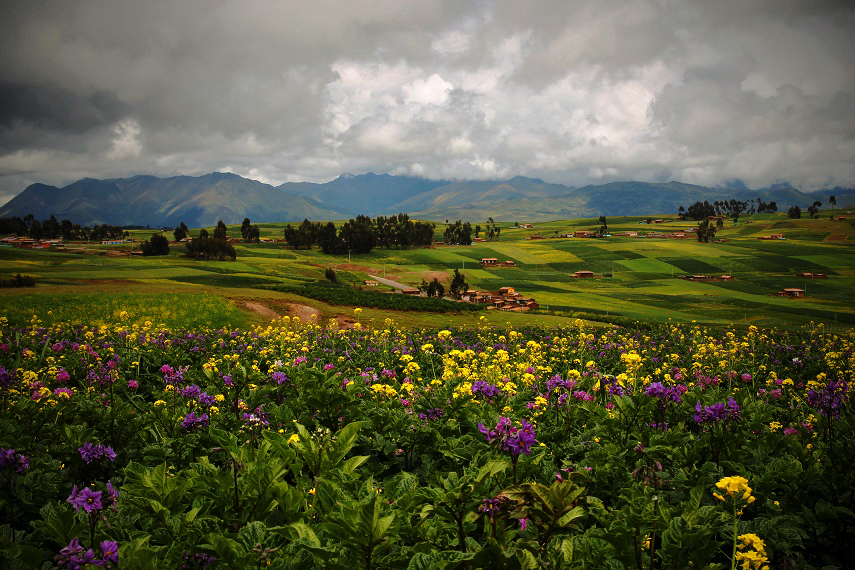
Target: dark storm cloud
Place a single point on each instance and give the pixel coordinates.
(52, 108)
(570, 91)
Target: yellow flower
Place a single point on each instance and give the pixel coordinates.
(159, 403)
(735, 485)
(294, 439)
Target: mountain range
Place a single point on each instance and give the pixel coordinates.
(202, 201)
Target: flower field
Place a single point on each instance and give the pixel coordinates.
(297, 445)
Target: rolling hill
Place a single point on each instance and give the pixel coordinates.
(203, 200)
(151, 201)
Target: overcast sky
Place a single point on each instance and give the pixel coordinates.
(571, 91)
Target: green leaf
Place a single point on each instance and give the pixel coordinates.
(527, 560)
(351, 464)
(493, 467)
(62, 525)
(576, 513)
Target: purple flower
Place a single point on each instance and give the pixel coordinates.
(509, 437)
(110, 551)
(206, 400)
(85, 499)
(196, 561)
(830, 399)
(133, 384)
(90, 452)
(7, 377)
(192, 422)
(717, 412)
(8, 458)
(256, 418)
(280, 377)
(488, 390)
(191, 392)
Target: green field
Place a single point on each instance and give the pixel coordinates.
(638, 277)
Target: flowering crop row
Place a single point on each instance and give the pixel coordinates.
(302, 446)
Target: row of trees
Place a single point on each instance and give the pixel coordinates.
(54, 229)
(458, 233)
(728, 208)
(361, 235)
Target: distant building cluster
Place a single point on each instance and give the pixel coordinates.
(488, 262)
(29, 243)
(707, 278)
(505, 299)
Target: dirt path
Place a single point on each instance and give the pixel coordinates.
(391, 283)
(303, 312)
(261, 310)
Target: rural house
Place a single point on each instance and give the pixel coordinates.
(791, 292)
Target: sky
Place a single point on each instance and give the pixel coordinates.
(571, 91)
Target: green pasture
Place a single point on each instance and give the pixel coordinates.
(644, 282)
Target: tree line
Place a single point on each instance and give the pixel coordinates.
(361, 234)
(51, 228)
(726, 208)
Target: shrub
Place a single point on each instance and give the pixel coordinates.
(211, 249)
(18, 281)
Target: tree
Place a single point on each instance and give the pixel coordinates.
(794, 213)
(156, 245)
(604, 226)
(458, 284)
(833, 201)
(221, 231)
(706, 231)
(814, 209)
(180, 231)
(329, 273)
(244, 229)
(435, 288)
(203, 233)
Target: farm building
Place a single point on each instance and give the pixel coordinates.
(370, 283)
(583, 233)
(584, 274)
(112, 242)
(535, 237)
(707, 278)
(808, 275)
(773, 236)
(489, 261)
(629, 234)
(791, 292)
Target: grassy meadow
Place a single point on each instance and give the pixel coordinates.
(93, 283)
